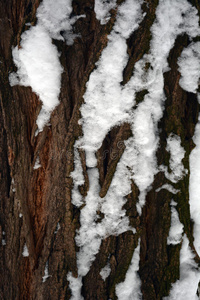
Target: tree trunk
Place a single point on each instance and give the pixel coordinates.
(135, 181)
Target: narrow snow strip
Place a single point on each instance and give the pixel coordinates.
(37, 164)
(177, 153)
(78, 179)
(194, 187)
(176, 229)
(169, 188)
(25, 252)
(130, 288)
(102, 9)
(57, 228)
(189, 67)
(46, 273)
(75, 285)
(105, 272)
(186, 287)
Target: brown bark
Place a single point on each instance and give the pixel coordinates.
(43, 196)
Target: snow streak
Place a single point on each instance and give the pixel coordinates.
(130, 288)
(108, 103)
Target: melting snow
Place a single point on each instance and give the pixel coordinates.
(189, 67)
(177, 153)
(57, 228)
(37, 164)
(169, 188)
(46, 273)
(176, 229)
(25, 252)
(105, 272)
(194, 187)
(78, 179)
(75, 285)
(130, 288)
(186, 287)
(102, 9)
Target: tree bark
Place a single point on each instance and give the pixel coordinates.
(34, 201)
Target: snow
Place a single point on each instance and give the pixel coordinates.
(108, 103)
(38, 59)
(189, 67)
(105, 272)
(130, 288)
(46, 273)
(176, 229)
(177, 153)
(75, 285)
(102, 9)
(78, 179)
(25, 252)
(57, 228)
(169, 188)
(194, 186)
(37, 164)
(186, 287)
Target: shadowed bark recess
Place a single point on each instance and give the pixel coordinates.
(36, 209)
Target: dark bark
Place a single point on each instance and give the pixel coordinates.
(43, 196)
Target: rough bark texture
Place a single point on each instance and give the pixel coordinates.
(43, 196)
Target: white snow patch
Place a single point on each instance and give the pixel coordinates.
(57, 228)
(38, 59)
(189, 67)
(25, 252)
(102, 9)
(186, 287)
(54, 16)
(168, 187)
(176, 229)
(194, 186)
(78, 179)
(130, 288)
(75, 285)
(177, 153)
(37, 164)
(39, 67)
(105, 272)
(46, 273)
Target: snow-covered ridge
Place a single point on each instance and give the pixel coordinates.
(189, 67)
(38, 59)
(176, 229)
(130, 288)
(186, 287)
(108, 104)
